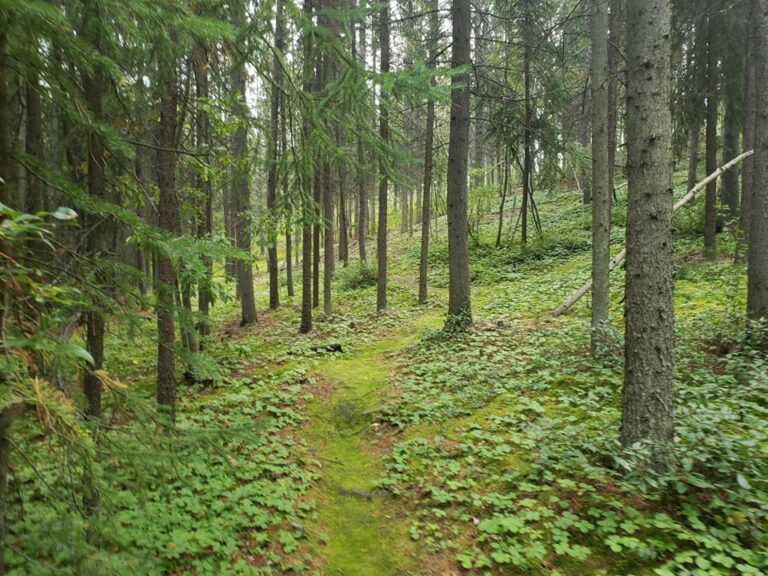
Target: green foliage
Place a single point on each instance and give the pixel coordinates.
(358, 274)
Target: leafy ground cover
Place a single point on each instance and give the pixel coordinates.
(419, 452)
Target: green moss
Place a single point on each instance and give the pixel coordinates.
(355, 534)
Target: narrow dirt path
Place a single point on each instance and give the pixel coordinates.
(358, 532)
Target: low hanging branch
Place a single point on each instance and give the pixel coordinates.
(619, 258)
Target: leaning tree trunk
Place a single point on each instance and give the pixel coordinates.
(459, 303)
(601, 190)
(648, 394)
(757, 272)
(381, 239)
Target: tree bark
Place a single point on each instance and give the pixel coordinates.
(750, 116)
(167, 214)
(648, 394)
(242, 193)
(693, 155)
(426, 197)
(307, 208)
(601, 186)
(381, 243)
(94, 83)
(459, 302)
(205, 213)
(277, 87)
(710, 206)
(757, 262)
(614, 57)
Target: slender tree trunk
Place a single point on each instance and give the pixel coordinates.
(328, 248)
(381, 244)
(167, 209)
(6, 161)
(426, 208)
(459, 306)
(693, 156)
(94, 83)
(750, 116)
(243, 194)
(362, 190)
(648, 395)
(757, 272)
(710, 207)
(601, 185)
(277, 75)
(527, 120)
(205, 214)
(307, 208)
(614, 57)
(733, 89)
(316, 241)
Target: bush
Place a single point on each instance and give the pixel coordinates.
(358, 275)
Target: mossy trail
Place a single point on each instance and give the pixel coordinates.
(357, 533)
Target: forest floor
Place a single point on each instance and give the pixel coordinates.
(424, 453)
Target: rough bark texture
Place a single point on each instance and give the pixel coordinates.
(693, 156)
(757, 275)
(601, 192)
(733, 80)
(243, 200)
(426, 199)
(710, 205)
(274, 129)
(167, 209)
(6, 162)
(328, 247)
(527, 121)
(459, 306)
(381, 240)
(614, 57)
(648, 395)
(750, 115)
(94, 82)
(306, 200)
(205, 213)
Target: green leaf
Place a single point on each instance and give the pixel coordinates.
(743, 482)
(69, 349)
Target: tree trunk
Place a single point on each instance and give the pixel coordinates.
(307, 208)
(362, 189)
(205, 213)
(277, 76)
(601, 186)
(648, 394)
(750, 116)
(614, 57)
(757, 272)
(527, 121)
(459, 303)
(693, 156)
(710, 206)
(429, 139)
(328, 248)
(243, 194)
(94, 84)
(733, 88)
(167, 214)
(381, 243)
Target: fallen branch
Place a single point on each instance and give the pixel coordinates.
(619, 258)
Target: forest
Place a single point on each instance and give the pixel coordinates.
(384, 288)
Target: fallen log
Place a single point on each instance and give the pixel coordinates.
(619, 258)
